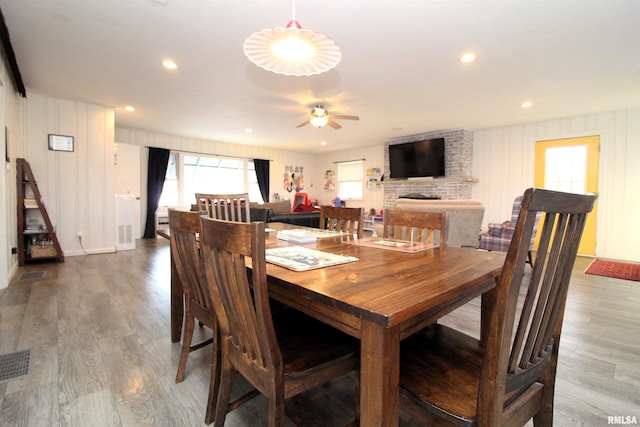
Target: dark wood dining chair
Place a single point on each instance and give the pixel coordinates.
(282, 354)
(184, 228)
(508, 376)
(230, 207)
(347, 220)
(418, 226)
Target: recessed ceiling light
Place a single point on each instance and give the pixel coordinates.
(467, 57)
(170, 64)
(129, 108)
(526, 104)
(323, 143)
(248, 130)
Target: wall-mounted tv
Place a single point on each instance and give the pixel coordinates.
(417, 159)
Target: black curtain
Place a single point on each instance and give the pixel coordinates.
(158, 161)
(262, 173)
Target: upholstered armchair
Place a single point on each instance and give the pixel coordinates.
(499, 235)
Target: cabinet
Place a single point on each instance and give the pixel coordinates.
(37, 240)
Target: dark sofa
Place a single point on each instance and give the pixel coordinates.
(281, 212)
(306, 219)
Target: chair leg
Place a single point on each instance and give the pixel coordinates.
(357, 394)
(276, 407)
(214, 380)
(224, 391)
(186, 345)
(544, 418)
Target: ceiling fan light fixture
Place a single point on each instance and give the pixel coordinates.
(319, 116)
(292, 51)
(319, 121)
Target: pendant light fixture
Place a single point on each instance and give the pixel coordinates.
(292, 51)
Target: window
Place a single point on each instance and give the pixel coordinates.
(566, 169)
(211, 175)
(170, 190)
(188, 174)
(252, 179)
(351, 180)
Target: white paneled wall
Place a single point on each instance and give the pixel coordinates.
(77, 187)
(504, 160)
(374, 158)
(11, 113)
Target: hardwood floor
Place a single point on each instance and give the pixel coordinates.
(98, 330)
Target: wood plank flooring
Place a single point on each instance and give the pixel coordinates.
(98, 330)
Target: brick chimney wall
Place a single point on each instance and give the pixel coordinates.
(458, 152)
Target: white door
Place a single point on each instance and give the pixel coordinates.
(128, 181)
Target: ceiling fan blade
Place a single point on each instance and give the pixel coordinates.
(341, 117)
(303, 123)
(333, 124)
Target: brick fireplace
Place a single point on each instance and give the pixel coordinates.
(455, 185)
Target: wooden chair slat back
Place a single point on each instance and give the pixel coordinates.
(519, 350)
(347, 220)
(228, 207)
(417, 226)
(244, 314)
(184, 228)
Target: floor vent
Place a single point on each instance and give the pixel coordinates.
(35, 275)
(14, 365)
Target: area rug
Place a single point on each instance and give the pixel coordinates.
(615, 269)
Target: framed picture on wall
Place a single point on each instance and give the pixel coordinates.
(60, 142)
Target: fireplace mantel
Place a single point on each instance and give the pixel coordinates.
(438, 180)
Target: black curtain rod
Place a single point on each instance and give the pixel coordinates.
(349, 161)
(211, 154)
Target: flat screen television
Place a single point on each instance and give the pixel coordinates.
(417, 159)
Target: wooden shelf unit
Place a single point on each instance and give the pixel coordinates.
(39, 243)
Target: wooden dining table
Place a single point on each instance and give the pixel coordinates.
(380, 299)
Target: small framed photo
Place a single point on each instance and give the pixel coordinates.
(6, 145)
(60, 142)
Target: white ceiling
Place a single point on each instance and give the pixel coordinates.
(399, 70)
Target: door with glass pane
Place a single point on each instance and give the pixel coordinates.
(571, 165)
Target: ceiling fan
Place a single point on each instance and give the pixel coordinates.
(319, 117)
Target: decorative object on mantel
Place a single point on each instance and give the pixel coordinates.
(292, 51)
